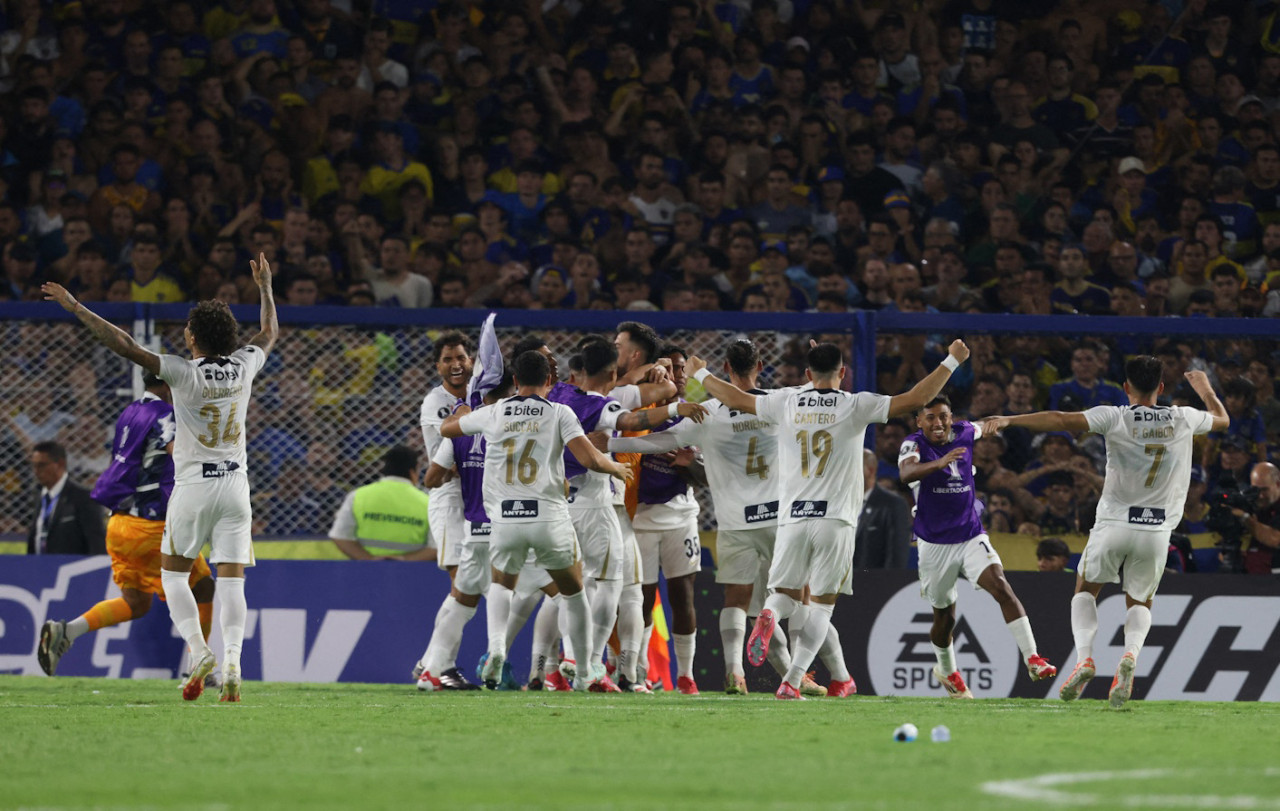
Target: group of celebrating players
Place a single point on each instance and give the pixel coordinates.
(580, 491)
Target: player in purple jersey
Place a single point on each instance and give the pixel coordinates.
(135, 487)
(937, 461)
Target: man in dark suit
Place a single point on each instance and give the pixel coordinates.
(883, 540)
(67, 521)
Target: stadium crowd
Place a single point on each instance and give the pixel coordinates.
(975, 156)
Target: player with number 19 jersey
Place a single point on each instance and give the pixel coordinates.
(820, 438)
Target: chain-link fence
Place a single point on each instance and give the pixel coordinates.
(330, 401)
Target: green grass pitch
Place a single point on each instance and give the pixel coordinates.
(100, 743)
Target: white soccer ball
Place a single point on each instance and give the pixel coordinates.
(905, 733)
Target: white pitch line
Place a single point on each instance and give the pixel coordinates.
(1042, 789)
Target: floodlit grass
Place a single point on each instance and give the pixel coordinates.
(97, 743)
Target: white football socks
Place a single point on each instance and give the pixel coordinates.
(779, 653)
(546, 630)
(642, 660)
(450, 622)
(832, 654)
(522, 606)
(604, 615)
(234, 616)
(1137, 622)
(426, 654)
(733, 634)
(1021, 630)
(497, 610)
(183, 610)
(782, 607)
(946, 658)
(811, 638)
(630, 630)
(578, 611)
(76, 628)
(685, 646)
(1084, 624)
(795, 625)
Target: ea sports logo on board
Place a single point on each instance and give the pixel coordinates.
(901, 658)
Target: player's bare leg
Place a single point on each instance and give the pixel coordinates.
(56, 636)
(1084, 627)
(997, 585)
(684, 631)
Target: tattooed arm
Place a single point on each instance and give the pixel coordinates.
(108, 334)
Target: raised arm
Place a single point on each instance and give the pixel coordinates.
(266, 337)
(722, 390)
(1073, 421)
(659, 442)
(924, 391)
(1200, 382)
(108, 334)
(592, 459)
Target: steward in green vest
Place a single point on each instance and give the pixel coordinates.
(386, 520)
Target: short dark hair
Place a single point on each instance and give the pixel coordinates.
(1053, 548)
(941, 399)
(643, 336)
(825, 359)
(449, 339)
(151, 381)
(742, 356)
(668, 349)
(400, 460)
(598, 356)
(51, 449)
(529, 343)
(214, 328)
(1143, 373)
(531, 368)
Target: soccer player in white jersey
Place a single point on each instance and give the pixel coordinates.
(591, 497)
(210, 500)
(740, 453)
(1148, 473)
(447, 525)
(526, 437)
(937, 461)
(820, 435)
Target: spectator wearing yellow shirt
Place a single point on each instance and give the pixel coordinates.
(147, 283)
(522, 146)
(392, 170)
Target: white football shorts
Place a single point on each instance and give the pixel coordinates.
(817, 552)
(942, 563)
(1143, 554)
(214, 511)
(601, 540)
(553, 543)
(742, 553)
(677, 552)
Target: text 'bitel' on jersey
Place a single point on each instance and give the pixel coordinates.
(210, 398)
(140, 477)
(1148, 462)
(820, 433)
(595, 412)
(946, 507)
(739, 451)
(524, 458)
(466, 453)
(437, 405)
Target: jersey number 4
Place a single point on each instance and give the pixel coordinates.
(756, 464)
(216, 430)
(526, 467)
(819, 446)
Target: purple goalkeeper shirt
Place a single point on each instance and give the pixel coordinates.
(946, 511)
(139, 479)
(587, 408)
(468, 458)
(659, 481)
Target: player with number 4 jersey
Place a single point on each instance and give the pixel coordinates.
(820, 437)
(1148, 473)
(937, 461)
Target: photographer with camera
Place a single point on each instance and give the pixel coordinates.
(1263, 556)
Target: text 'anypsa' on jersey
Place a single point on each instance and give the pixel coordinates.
(216, 470)
(524, 508)
(1146, 515)
(808, 509)
(756, 513)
